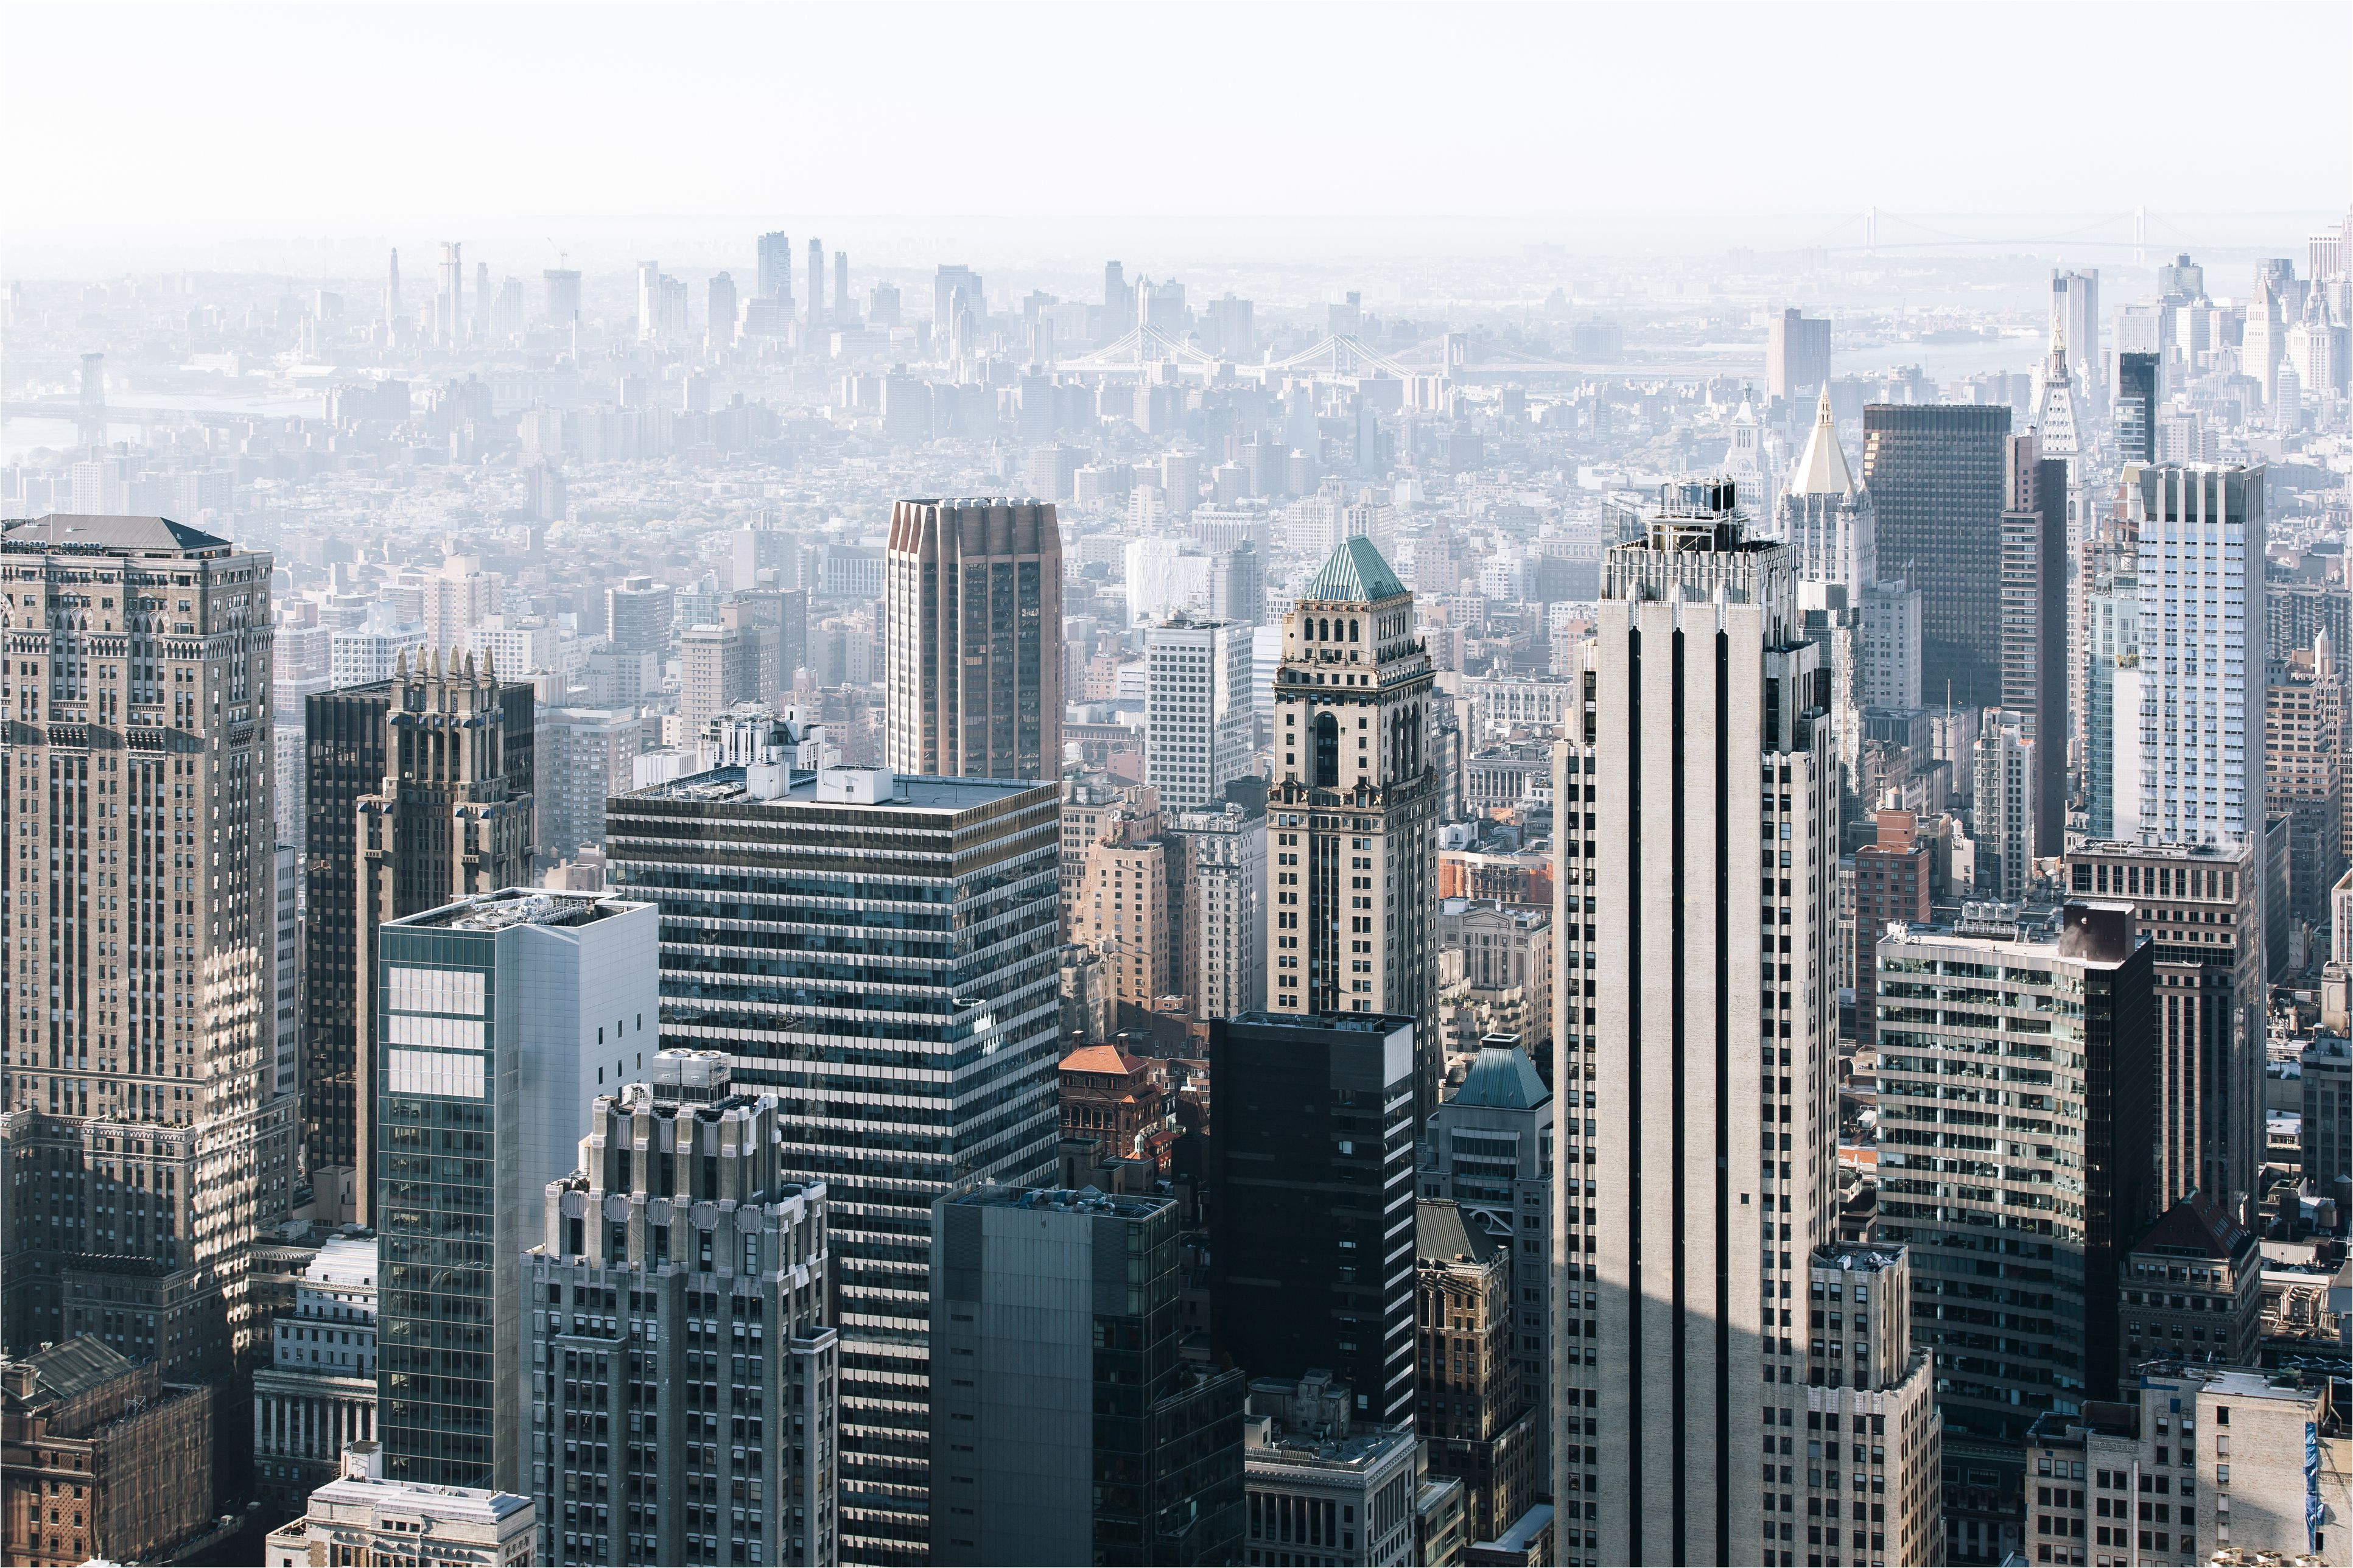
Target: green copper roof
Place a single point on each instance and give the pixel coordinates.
(1504, 1078)
(1355, 576)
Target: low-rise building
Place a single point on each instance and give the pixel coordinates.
(1322, 1490)
(360, 1517)
(318, 1393)
(1117, 1101)
(99, 1458)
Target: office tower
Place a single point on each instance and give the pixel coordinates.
(1889, 646)
(1355, 826)
(775, 267)
(1891, 883)
(2075, 323)
(286, 972)
(2196, 686)
(951, 282)
(969, 1022)
(678, 1302)
(1118, 317)
(2006, 793)
(350, 739)
(843, 313)
(2327, 1131)
(318, 1393)
(458, 599)
(363, 1516)
(561, 295)
(1221, 880)
(720, 315)
(1471, 1409)
(1074, 1431)
(1198, 719)
(1796, 355)
(638, 616)
(763, 546)
(1237, 586)
(2112, 635)
(2261, 344)
(146, 941)
(589, 754)
(2074, 1005)
(650, 302)
(1311, 1237)
(972, 629)
(1180, 479)
(716, 673)
(2304, 715)
(2035, 619)
(450, 299)
(1827, 520)
(1229, 323)
(1122, 910)
(2135, 407)
(442, 822)
(122, 1459)
(500, 1016)
(1053, 468)
(1875, 1411)
(2198, 907)
(1697, 1007)
(1325, 1487)
(816, 311)
(1937, 477)
(391, 294)
(1491, 1148)
(2192, 1285)
(775, 624)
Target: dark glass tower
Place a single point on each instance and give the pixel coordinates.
(2135, 407)
(1938, 474)
(1311, 1194)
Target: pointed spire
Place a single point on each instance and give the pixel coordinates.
(400, 664)
(1821, 468)
(2058, 352)
(490, 667)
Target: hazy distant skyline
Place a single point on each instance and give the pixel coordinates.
(131, 122)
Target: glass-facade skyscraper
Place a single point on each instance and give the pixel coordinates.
(1939, 476)
(881, 953)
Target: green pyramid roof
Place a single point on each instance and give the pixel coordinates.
(1355, 576)
(1504, 1078)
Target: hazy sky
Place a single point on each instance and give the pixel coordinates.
(218, 120)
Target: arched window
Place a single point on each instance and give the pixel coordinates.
(1352, 631)
(1325, 634)
(1327, 752)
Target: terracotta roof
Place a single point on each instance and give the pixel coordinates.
(1105, 1058)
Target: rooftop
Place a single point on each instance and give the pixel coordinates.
(1063, 1200)
(1106, 1058)
(1503, 1078)
(521, 906)
(1822, 470)
(1356, 574)
(113, 535)
(2197, 1227)
(68, 1371)
(1440, 1236)
(458, 1505)
(913, 793)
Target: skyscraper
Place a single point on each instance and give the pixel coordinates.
(392, 293)
(719, 319)
(449, 299)
(972, 639)
(1197, 720)
(2196, 909)
(1825, 517)
(444, 821)
(2198, 686)
(1797, 354)
(1075, 1432)
(2013, 1292)
(843, 313)
(649, 301)
(495, 1013)
(639, 612)
(1697, 1007)
(1311, 1155)
(561, 295)
(2075, 322)
(679, 1301)
(349, 736)
(2135, 407)
(1354, 810)
(776, 265)
(2034, 625)
(2007, 790)
(817, 313)
(1938, 475)
(923, 1063)
(135, 791)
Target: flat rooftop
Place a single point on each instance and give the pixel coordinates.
(520, 906)
(912, 792)
(1063, 1200)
